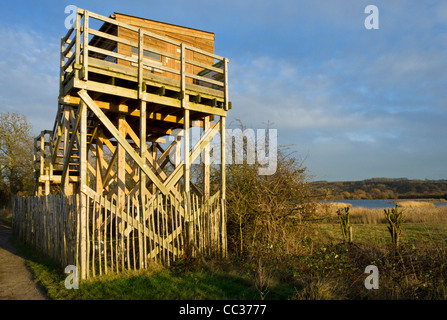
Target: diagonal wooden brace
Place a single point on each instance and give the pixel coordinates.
(193, 154)
(123, 142)
(70, 146)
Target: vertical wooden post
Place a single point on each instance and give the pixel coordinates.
(78, 42)
(120, 168)
(189, 223)
(187, 165)
(223, 229)
(67, 188)
(186, 123)
(85, 49)
(186, 176)
(99, 185)
(83, 197)
(225, 60)
(143, 149)
(44, 170)
(206, 163)
(140, 63)
(99, 160)
(61, 70)
(153, 150)
(223, 174)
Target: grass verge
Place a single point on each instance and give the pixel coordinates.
(157, 283)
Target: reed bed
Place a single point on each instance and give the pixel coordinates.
(410, 214)
(414, 212)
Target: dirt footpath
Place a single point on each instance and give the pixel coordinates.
(16, 281)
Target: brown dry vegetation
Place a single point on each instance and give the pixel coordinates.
(311, 256)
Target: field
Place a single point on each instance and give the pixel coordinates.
(325, 268)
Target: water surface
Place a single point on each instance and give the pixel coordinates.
(379, 203)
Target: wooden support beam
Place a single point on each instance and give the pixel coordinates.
(122, 141)
(142, 183)
(78, 43)
(187, 165)
(157, 165)
(223, 230)
(83, 198)
(148, 97)
(85, 45)
(74, 132)
(67, 188)
(222, 157)
(109, 168)
(226, 100)
(206, 163)
(140, 63)
(59, 124)
(193, 154)
(99, 161)
(186, 126)
(123, 108)
(120, 165)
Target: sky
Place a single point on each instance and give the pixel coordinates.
(351, 103)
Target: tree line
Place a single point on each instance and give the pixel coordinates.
(381, 188)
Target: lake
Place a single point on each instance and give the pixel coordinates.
(379, 203)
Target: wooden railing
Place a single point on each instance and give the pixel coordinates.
(187, 64)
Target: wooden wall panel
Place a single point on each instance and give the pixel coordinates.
(197, 38)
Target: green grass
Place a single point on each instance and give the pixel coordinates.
(165, 285)
(156, 283)
(424, 232)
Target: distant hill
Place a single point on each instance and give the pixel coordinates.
(381, 188)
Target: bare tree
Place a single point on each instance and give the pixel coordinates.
(16, 155)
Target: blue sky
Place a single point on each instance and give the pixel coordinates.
(353, 103)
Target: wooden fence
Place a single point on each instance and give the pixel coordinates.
(49, 224)
(120, 239)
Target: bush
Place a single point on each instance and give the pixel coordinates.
(395, 221)
(265, 212)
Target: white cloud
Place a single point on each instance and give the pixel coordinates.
(29, 64)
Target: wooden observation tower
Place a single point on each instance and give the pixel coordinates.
(131, 91)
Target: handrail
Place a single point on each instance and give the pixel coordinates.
(70, 31)
(70, 46)
(75, 53)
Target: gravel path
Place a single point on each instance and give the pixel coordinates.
(16, 282)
